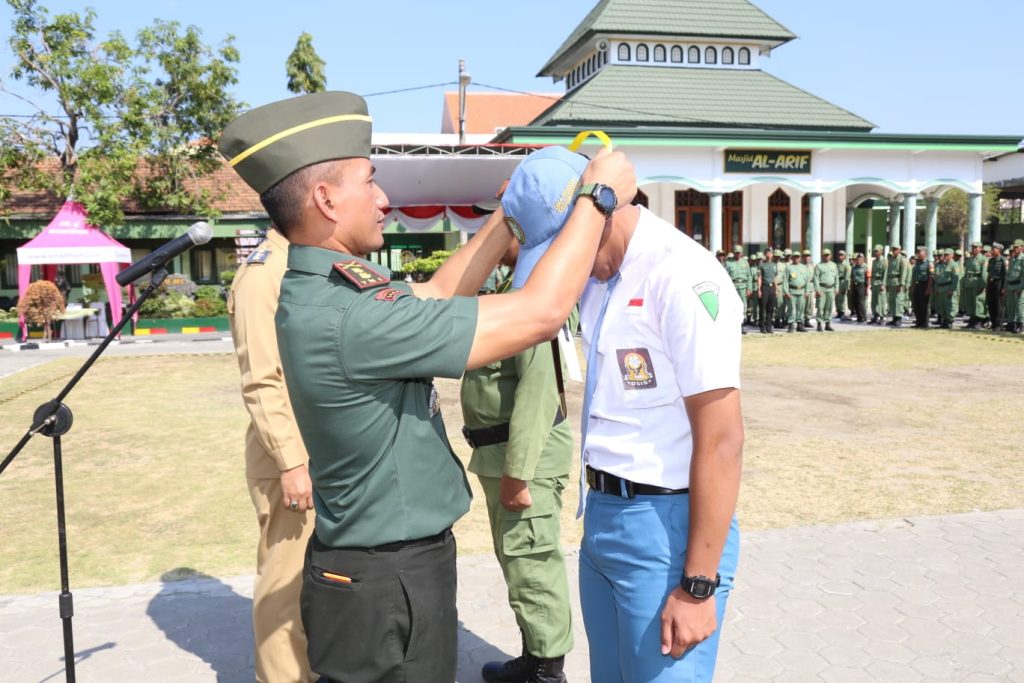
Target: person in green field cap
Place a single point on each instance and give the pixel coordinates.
(897, 283)
(1014, 287)
(359, 352)
(877, 273)
(826, 280)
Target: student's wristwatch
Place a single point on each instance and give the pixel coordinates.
(700, 587)
(603, 196)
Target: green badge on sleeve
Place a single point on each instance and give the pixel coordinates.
(707, 292)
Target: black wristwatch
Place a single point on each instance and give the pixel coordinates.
(603, 196)
(700, 587)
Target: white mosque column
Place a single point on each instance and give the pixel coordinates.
(849, 233)
(931, 222)
(870, 230)
(894, 223)
(909, 223)
(974, 218)
(715, 235)
(814, 218)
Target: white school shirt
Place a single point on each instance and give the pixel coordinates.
(672, 329)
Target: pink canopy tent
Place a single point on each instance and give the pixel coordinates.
(69, 239)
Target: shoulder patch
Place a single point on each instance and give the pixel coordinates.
(359, 275)
(707, 292)
(259, 256)
(389, 294)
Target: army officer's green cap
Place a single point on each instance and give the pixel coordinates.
(267, 144)
(958, 252)
(1018, 243)
(823, 253)
(807, 252)
(976, 244)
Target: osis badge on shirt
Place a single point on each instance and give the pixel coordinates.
(636, 369)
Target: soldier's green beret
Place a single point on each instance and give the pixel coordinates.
(823, 252)
(267, 144)
(807, 252)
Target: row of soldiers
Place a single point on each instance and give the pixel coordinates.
(781, 287)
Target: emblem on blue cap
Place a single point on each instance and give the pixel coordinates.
(516, 229)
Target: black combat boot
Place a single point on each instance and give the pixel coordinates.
(548, 671)
(790, 327)
(801, 327)
(819, 326)
(828, 327)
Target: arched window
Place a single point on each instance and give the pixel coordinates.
(727, 55)
(710, 56)
(693, 56)
(642, 54)
(677, 54)
(659, 53)
(623, 52)
(744, 56)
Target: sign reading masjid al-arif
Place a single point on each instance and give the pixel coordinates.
(767, 161)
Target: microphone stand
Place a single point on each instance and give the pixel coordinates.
(54, 419)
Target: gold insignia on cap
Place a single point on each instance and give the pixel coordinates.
(516, 229)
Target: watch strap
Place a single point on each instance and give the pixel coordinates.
(700, 587)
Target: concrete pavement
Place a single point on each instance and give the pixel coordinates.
(917, 599)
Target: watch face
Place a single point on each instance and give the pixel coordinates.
(605, 199)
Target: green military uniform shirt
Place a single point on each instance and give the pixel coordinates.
(947, 277)
(769, 272)
(519, 391)
(975, 271)
(844, 274)
(798, 276)
(739, 273)
(879, 268)
(859, 274)
(1015, 273)
(922, 271)
(826, 276)
(360, 353)
(897, 273)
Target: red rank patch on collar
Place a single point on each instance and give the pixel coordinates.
(359, 275)
(389, 294)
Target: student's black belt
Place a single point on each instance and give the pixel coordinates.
(488, 436)
(624, 488)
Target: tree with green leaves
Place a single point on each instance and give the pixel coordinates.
(954, 210)
(112, 120)
(305, 67)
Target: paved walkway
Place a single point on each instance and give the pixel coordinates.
(920, 599)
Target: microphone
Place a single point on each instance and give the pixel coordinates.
(198, 233)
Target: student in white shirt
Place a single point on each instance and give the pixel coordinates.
(662, 433)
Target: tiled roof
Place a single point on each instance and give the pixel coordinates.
(238, 197)
(686, 96)
(487, 112)
(712, 18)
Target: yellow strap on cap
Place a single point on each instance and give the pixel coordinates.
(599, 134)
(266, 142)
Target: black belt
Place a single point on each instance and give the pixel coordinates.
(388, 547)
(488, 436)
(617, 486)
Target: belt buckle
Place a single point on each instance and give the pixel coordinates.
(627, 489)
(469, 437)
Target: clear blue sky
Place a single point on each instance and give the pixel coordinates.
(910, 66)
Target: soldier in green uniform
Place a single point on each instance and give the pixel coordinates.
(947, 281)
(996, 286)
(753, 299)
(859, 288)
(973, 286)
(921, 282)
(767, 290)
(1014, 285)
(522, 453)
(826, 279)
(897, 283)
(739, 273)
(782, 259)
(843, 297)
(359, 352)
(794, 290)
(879, 302)
(805, 261)
(958, 261)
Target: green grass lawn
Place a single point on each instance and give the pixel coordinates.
(839, 427)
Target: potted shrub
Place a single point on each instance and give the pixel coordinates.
(41, 304)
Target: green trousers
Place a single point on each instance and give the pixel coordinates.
(795, 308)
(945, 306)
(1014, 306)
(879, 305)
(528, 547)
(842, 297)
(808, 306)
(825, 303)
(742, 292)
(754, 309)
(897, 301)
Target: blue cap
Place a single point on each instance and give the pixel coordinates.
(537, 202)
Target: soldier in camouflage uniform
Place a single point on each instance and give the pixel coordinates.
(879, 307)
(826, 279)
(973, 286)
